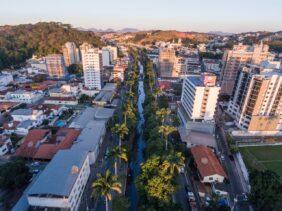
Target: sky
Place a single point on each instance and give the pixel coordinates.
(183, 15)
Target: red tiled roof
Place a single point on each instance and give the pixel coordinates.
(12, 127)
(31, 143)
(206, 161)
(63, 139)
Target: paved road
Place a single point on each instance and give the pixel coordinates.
(235, 187)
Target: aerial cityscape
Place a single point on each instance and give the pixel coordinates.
(140, 105)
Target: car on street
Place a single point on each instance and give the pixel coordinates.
(189, 193)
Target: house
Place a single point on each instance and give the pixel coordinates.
(209, 167)
(10, 127)
(23, 114)
(31, 142)
(5, 144)
(62, 182)
(71, 101)
(63, 139)
(24, 126)
(7, 106)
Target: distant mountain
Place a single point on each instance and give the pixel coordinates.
(121, 31)
(220, 33)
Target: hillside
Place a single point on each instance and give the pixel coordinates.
(147, 37)
(18, 43)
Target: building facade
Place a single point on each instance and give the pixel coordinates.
(55, 65)
(199, 97)
(167, 61)
(234, 59)
(92, 66)
(256, 103)
(71, 53)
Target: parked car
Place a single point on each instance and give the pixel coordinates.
(182, 169)
(189, 193)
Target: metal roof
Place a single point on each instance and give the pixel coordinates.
(57, 179)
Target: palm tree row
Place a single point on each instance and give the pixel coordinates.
(108, 183)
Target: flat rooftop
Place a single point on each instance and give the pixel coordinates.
(57, 179)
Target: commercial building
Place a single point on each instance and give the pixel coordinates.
(199, 98)
(110, 51)
(23, 114)
(167, 60)
(22, 96)
(209, 167)
(60, 186)
(234, 59)
(256, 102)
(71, 53)
(55, 65)
(92, 66)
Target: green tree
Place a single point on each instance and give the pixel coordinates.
(14, 174)
(120, 203)
(104, 185)
(173, 162)
(84, 99)
(121, 131)
(162, 114)
(75, 69)
(118, 154)
(265, 190)
(165, 130)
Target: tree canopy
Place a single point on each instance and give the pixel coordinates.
(18, 43)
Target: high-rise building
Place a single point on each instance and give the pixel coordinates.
(71, 53)
(110, 54)
(256, 102)
(92, 66)
(199, 97)
(55, 65)
(167, 62)
(238, 57)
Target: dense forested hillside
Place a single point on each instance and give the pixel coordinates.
(17, 43)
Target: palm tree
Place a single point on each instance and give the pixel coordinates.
(163, 113)
(130, 83)
(165, 130)
(104, 185)
(120, 154)
(128, 112)
(120, 130)
(156, 93)
(174, 162)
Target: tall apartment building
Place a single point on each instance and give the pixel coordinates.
(92, 66)
(71, 53)
(199, 97)
(167, 62)
(256, 103)
(55, 65)
(110, 53)
(238, 57)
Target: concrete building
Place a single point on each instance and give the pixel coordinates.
(71, 53)
(234, 59)
(167, 60)
(61, 184)
(111, 52)
(5, 144)
(20, 115)
(199, 98)
(256, 102)
(55, 65)
(92, 66)
(22, 96)
(106, 57)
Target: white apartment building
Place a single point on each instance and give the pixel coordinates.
(55, 65)
(256, 103)
(199, 97)
(22, 96)
(91, 62)
(62, 182)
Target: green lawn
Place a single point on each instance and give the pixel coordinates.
(263, 157)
